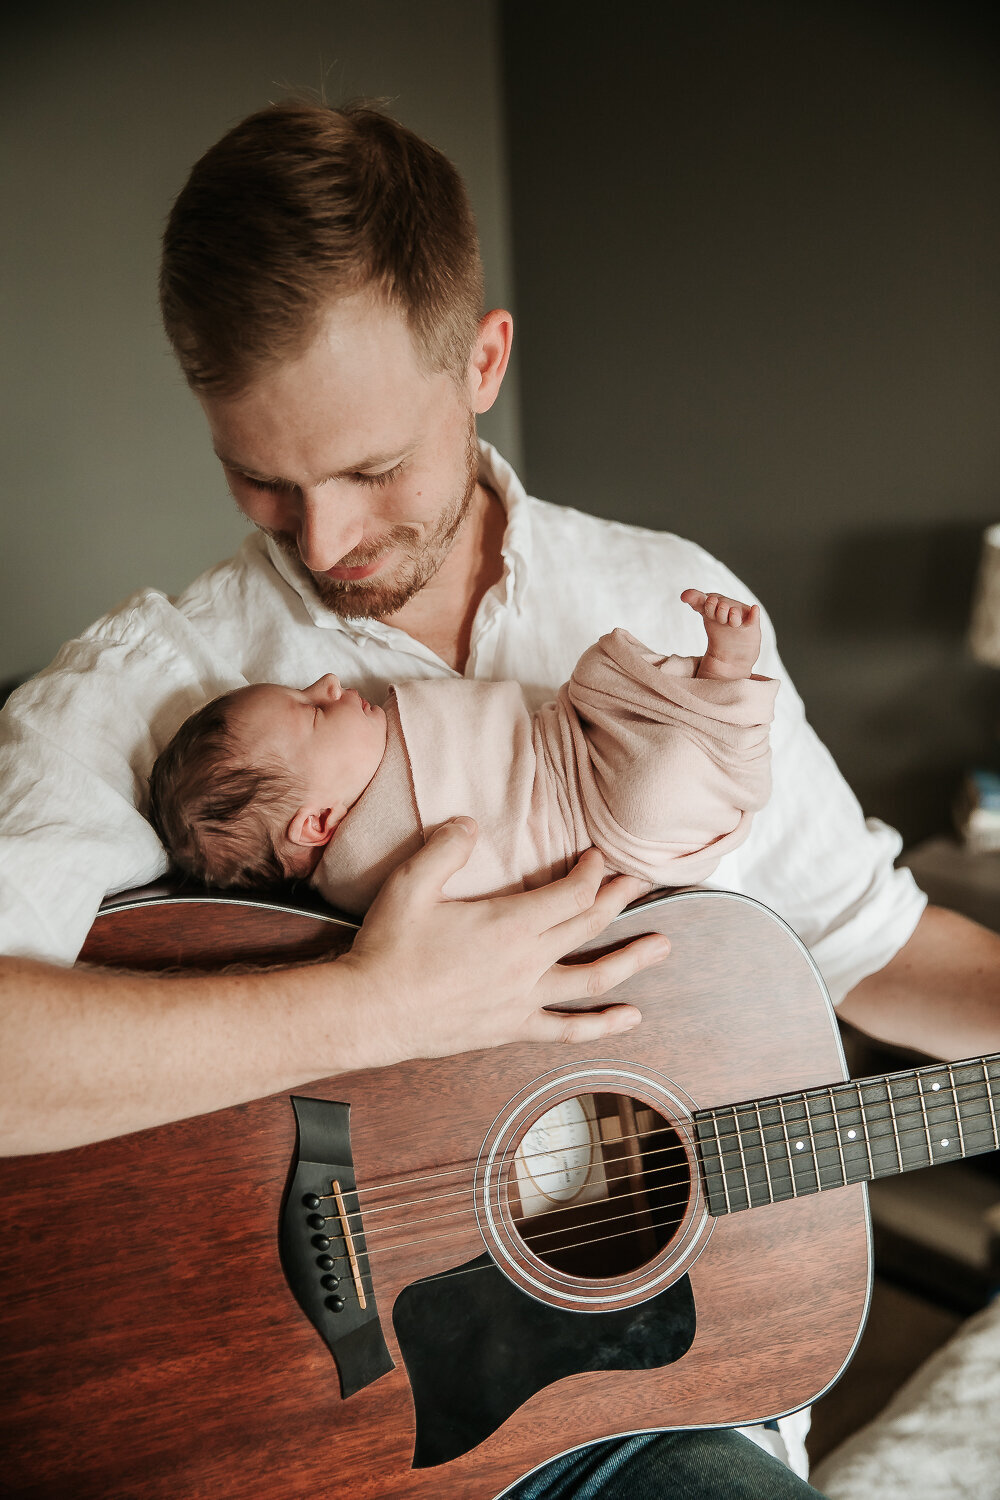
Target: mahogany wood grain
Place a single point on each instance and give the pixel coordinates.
(195, 932)
(149, 1346)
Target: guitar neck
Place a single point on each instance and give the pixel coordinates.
(790, 1145)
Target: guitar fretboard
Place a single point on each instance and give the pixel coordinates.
(786, 1146)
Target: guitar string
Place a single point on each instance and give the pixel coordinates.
(807, 1121)
(673, 1218)
(382, 1251)
(536, 1176)
(811, 1129)
(677, 1203)
(891, 1170)
(575, 1245)
(548, 1212)
(645, 1216)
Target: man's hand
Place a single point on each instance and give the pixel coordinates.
(437, 976)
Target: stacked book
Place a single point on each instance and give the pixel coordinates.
(977, 812)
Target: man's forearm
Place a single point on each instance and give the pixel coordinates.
(940, 994)
(89, 1054)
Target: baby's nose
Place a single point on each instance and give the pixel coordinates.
(327, 686)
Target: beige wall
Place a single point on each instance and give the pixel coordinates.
(107, 479)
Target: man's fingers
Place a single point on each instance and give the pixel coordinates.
(446, 850)
(571, 896)
(569, 984)
(589, 922)
(585, 1026)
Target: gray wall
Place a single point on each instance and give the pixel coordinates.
(106, 477)
(759, 304)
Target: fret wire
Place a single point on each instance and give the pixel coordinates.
(864, 1129)
(812, 1141)
(941, 1104)
(788, 1146)
(838, 1133)
(763, 1147)
(957, 1109)
(895, 1129)
(901, 1118)
(927, 1128)
(722, 1162)
(743, 1158)
(989, 1099)
(916, 1117)
(746, 1128)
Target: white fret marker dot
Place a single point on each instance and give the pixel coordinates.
(935, 1087)
(944, 1143)
(800, 1145)
(851, 1135)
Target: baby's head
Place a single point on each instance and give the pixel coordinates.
(252, 787)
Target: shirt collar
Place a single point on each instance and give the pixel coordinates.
(496, 473)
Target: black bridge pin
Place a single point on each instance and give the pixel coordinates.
(311, 1200)
(321, 1242)
(331, 1283)
(335, 1304)
(316, 1221)
(325, 1262)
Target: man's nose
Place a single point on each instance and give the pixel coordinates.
(330, 527)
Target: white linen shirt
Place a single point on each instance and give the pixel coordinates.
(78, 741)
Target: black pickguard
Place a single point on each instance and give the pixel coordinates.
(476, 1347)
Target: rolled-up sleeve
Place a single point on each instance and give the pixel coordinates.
(814, 858)
(76, 746)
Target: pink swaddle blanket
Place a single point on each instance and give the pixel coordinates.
(660, 769)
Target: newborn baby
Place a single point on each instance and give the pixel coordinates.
(658, 761)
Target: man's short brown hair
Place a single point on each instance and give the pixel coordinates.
(298, 205)
(215, 814)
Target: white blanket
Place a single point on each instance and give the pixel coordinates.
(939, 1437)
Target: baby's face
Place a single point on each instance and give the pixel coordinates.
(328, 737)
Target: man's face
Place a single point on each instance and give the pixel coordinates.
(359, 463)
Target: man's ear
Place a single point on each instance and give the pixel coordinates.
(489, 357)
(312, 827)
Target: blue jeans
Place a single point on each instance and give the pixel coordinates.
(717, 1464)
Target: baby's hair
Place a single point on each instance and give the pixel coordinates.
(215, 813)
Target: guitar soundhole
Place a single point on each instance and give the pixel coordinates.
(599, 1184)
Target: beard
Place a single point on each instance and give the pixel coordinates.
(422, 554)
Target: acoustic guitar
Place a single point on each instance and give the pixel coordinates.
(430, 1279)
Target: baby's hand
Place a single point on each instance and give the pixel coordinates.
(733, 631)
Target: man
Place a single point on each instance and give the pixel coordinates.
(322, 289)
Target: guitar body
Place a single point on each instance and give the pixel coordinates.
(150, 1345)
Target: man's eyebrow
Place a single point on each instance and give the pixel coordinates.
(373, 461)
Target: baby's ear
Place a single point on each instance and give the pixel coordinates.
(312, 827)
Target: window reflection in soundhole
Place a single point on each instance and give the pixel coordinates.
(599, 1185)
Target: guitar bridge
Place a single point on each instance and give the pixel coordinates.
(322, 1245)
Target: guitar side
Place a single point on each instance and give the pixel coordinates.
(152, 1346)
